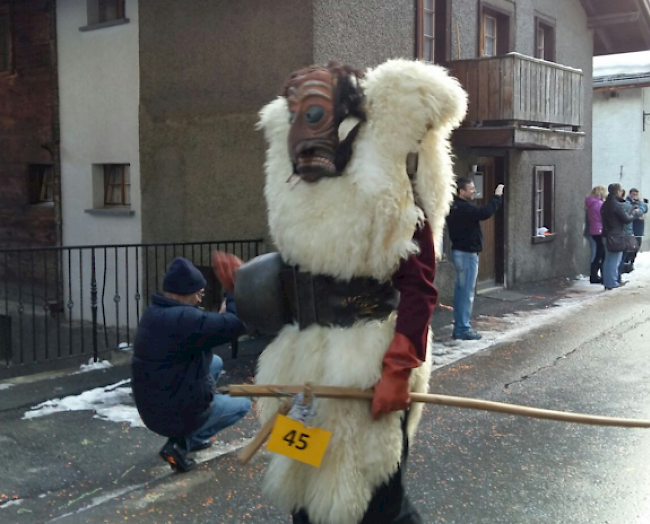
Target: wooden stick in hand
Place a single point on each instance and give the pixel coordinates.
(443, 400)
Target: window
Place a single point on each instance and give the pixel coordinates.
(103, 12)
(117, 185)
(543, 201)
(5, 41)
(41, 183)
(544, 39)
(108, 10)
(490, 32)
(495, 30)
(431, 30)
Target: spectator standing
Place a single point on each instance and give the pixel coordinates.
(638, 225)
(174, 372)
(593, 203)
(463, 224)
(614, 219)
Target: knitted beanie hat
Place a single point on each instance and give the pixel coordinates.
(183, 278)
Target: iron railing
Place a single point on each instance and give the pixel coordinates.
(59, 304)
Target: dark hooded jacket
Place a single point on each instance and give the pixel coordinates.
(614, 216)
(463, 223)
(171, 361)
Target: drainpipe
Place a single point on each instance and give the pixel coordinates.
(56, 149)
(54, 146)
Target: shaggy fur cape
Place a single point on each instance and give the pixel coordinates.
(358, 225)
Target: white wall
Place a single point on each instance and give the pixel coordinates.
(620, 146)
(99, 98)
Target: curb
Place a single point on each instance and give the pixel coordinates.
(24, 392)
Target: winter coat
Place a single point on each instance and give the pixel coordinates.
(593, 205)
(463, 223)
(172, 353)
(614, 216)
(629, 207)
(638, 226)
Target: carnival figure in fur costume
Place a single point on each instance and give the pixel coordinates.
(356, 230)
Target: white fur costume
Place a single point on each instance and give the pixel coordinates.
(360, 224)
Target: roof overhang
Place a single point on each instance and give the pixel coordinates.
(620, 26)
(609, 83)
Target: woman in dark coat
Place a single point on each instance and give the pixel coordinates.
(614, 220)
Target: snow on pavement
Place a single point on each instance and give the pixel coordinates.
(112, 403)
(508, 328)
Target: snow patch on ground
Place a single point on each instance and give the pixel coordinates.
(92, 366)
(112, 403)
(496, 330)
(6, 386)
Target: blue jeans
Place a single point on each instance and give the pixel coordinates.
(226, 410)
(592, 246)
(466, 265)
(610, 268)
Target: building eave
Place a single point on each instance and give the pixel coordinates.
(619, 27)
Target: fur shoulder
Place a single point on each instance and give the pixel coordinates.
(413, 107)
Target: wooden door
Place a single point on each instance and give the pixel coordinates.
(488, 257)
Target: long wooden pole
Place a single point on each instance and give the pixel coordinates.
(258, 441)
(244, 390)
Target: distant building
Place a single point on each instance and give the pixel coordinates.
(99, 82)
(621, 113)
(29, 169)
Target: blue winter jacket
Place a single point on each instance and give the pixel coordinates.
(638, 225)
(172, 353)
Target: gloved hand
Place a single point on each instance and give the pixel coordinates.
(224, 266)
(392, 392)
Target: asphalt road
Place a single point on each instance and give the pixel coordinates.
(466, 467)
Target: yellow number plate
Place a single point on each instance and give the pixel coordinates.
(294, 440)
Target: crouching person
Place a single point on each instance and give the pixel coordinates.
(174, 371)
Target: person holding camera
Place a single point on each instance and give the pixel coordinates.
(638, 224)
(463, 224)
(173, 369)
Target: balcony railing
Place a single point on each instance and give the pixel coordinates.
(517, 89)
(59, 305)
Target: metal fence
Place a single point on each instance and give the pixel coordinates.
(60, 304)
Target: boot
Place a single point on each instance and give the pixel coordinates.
(176, 457)
(594, 278)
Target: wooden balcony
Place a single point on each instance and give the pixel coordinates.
(516, 101)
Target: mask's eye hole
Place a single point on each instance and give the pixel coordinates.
(314, 114)
(292, 117)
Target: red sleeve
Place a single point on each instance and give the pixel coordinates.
(418, 295)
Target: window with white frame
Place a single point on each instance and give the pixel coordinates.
(489, 35)
(544, 39)
(431, 30)
(496, 32)
(117, 185)
(544, 201)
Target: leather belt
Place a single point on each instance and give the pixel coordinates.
(326, 301)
